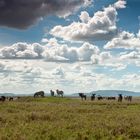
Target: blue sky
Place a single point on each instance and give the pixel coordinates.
(90, 45)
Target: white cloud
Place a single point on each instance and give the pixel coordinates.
(72, 54)
(55, 52)
(120, 4)
(105, 55)
(86, 51)
(31, 75)
(84, 17)
(37, 48)
(131, 55)
(137, 63)
(102, 26)
(101, 58)
(138, 34)
(18, 50)
(58, 71)
(44, 40)
(118, 66)
(52, 51)
(124, 40)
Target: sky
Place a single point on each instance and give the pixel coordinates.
(73, 45)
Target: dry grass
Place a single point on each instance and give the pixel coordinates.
(69, 119)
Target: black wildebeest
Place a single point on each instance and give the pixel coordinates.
(2, 98)
(100, 97)
(11, 98)
(39, 94)
(60, 92)
(52, 93)
(111, 98)
(93, 97)
(120, 98)
(83, 96)
(128, 98)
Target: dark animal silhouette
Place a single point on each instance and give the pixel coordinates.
(60, 92)
(100, 97)
(11, 98)
(39, 94)
(83, 96)
(128, 98)
(111, 98)
(2, 98)
(52, 92)
(18, 97)
(93, 97)
(120, 98)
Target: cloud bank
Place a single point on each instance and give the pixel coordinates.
(69, 77)
(52, 51)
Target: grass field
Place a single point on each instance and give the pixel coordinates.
(69, 119)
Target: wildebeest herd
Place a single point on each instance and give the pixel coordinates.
(59, 93)
(42, 93)
(83, 96)
(4, 98)
(99, 97)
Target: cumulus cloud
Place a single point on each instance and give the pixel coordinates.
(52, 51)
(84, 17)
(58, 71)
(70, 54)
(105, 55)
(124, 40)
(24, 13)
(21, 50)
(28, 54)
(108, 63)
(131, 55)
(117, 66)
(38, 49)
(86, 51)
(101, 58)
(138, 34)
(102, 26)
(120, 4)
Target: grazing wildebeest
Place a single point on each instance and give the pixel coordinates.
(120, 98)
(128, 98)
(111, 98)
(83, 96)
(52, 92)
(100, 97)
(39, 94)
(2, 98)
(60, 92)
(93, 97)
(11, 98)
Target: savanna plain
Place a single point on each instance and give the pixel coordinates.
(54, 118)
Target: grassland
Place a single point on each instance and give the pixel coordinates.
(69, 119)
